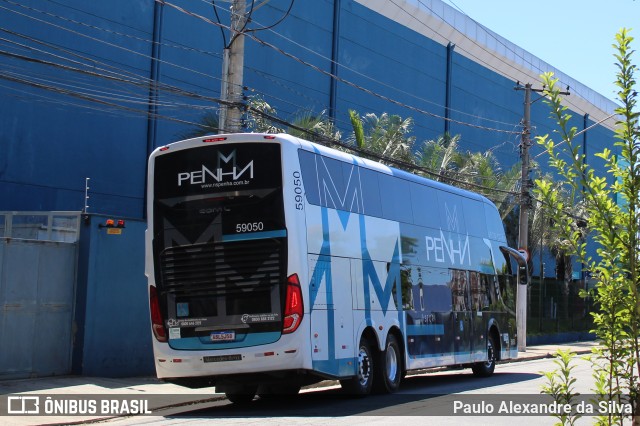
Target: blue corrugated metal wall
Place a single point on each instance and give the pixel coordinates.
(61, 122)
(113, 337)
(51, 141)
(37, 283)
(76, 90)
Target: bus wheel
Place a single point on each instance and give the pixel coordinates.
(361, 384)
(241, 394)
(485, 369)
(389, 367)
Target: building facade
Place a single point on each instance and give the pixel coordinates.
(90, 89)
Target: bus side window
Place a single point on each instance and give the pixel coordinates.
(507, 291)
(459, 290)
(406, 289)
(397, 199)
(480, 295)
(370, 192)
(309, 176)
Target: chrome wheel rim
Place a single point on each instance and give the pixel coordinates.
(392, 363)
(364, 366)
(491, 356)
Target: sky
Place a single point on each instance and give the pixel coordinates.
(574, 36)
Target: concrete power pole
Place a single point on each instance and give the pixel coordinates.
(525, 204)
(523, 231)
(232, 71)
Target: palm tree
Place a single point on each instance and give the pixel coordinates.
(543, 231)
(385, 136)
(207, 125)
(314, 127)
(258, 113)
(441, 156)
(478, 172)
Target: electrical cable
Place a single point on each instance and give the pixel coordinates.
(331, 75)
(491, 34)
(364, 152)
(125, 35)
(323, 139)
(105, 42)
(369, 91)
(579, 133)
(215, 11)
(278, 22)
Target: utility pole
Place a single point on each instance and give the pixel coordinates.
(523, 230)
(232, 71)
(525, 204)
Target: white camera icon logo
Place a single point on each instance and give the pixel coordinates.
(23, 405)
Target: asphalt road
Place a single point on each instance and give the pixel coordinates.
(443, 398)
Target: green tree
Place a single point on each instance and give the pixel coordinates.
(441, 155)
(261, 117)
(482, 173)
(208, 124)
(385, 136)
(614, 227)
(544, 234)
(476, 171)
(259, 114)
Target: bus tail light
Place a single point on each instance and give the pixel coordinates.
(156, 316)
(293, 308)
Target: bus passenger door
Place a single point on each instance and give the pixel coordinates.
(462, 324)
(478, 284)
(330, 303)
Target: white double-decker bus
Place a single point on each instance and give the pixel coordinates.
(274, 262)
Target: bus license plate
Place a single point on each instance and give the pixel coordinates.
(223, 336)
(222, 358)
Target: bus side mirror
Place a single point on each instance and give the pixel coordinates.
(523, 274)
(523, 269)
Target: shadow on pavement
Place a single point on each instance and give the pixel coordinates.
(419, 396)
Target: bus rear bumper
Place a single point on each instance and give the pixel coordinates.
(268, 358)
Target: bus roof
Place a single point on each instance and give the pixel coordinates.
(374, 165)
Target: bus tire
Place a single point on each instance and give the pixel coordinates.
(361, 384)
(485, 368)
(388, 372)
(241, 394)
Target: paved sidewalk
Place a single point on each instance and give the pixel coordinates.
(173, 394)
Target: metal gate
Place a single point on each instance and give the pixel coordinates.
(38, 258)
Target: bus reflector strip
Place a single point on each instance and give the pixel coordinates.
(255, 236)
(291, 351)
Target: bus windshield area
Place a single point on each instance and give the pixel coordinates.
(219, 250)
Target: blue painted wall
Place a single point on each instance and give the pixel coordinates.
(51, 141)
(76, 88)
(78, 100)
(113, 329)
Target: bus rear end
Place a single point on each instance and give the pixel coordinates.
(223, 307)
